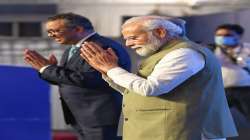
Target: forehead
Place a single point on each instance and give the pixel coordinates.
(133, 29)
(225, 32)
(59, 23)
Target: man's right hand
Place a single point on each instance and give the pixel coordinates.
(36, 60)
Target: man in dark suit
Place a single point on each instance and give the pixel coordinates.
(89, 104)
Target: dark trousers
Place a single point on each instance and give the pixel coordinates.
(107, 132)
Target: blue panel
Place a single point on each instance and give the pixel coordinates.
(24, 105)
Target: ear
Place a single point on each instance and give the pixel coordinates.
(160, 32)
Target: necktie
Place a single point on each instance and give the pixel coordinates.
(72, 51)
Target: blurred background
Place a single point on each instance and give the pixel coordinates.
(21, 26)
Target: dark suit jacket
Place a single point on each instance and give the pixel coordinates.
(239, 97)
(86, 97)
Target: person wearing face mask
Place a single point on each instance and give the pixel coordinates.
(234, 57)
(177, 93)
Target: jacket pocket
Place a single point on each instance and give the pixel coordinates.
(148, 124)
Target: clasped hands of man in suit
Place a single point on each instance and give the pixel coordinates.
(100, 59)
(37, 61)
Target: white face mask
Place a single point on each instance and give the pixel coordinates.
(152, 46)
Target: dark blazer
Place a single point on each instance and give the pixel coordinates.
(86, 97)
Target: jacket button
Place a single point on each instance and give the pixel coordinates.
(123, 105)
(125, 119)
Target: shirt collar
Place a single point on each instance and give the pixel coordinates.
(85, 38)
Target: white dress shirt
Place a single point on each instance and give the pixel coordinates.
(172, 70)
(233, 74)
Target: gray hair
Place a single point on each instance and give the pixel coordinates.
(153, 22)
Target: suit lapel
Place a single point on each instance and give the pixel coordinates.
(64, 57)
(77, 54)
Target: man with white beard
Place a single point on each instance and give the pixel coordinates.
(177, 93)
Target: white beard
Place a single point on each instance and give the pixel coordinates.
(152, 46)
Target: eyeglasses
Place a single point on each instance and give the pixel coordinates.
(58, 31)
